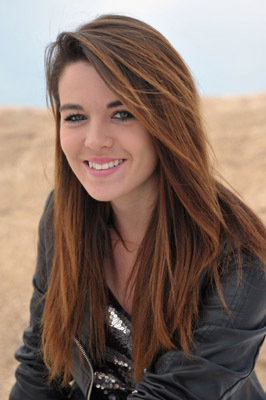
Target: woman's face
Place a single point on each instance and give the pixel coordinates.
(110, 152)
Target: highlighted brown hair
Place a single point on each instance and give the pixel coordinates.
(193, 215)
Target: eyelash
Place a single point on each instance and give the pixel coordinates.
(76, 118)
(123, 118)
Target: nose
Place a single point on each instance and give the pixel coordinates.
(98, 136)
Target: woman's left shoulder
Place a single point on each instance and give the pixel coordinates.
(241, 270)
(241, 301)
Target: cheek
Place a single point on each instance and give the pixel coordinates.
(69, 144)
(148, 153)
(141, 144)
(153, 162)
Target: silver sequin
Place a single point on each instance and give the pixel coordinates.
(116, 322)
(108, 382)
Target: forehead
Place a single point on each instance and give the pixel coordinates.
(81, 81)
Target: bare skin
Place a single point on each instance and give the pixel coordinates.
(132, 226)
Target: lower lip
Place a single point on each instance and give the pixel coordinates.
(103, 172)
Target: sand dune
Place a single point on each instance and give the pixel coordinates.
(237, 130)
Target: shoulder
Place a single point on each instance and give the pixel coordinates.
(241, 302)
(46, 220)
(46, 227)
(45, 245)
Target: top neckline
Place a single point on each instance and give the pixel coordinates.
(116, 304)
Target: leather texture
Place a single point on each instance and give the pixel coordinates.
(227, 342)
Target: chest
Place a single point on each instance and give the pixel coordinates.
(117, 274)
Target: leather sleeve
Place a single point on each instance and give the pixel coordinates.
(31, 374)
(227, 343)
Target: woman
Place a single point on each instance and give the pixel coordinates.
(150, 280)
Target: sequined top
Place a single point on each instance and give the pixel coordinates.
(113, 380)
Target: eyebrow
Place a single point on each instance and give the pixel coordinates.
(69, 106)
(114, 104)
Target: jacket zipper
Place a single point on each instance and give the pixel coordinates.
(83, 352)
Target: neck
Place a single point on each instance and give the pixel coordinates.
(132, 218)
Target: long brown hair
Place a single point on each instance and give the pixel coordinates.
(192, 217)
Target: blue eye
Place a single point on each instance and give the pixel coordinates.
(122, 115)
(75, 118)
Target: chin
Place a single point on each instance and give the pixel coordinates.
(104, 192)
(100, 196)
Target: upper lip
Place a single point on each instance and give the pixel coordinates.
(103, 160)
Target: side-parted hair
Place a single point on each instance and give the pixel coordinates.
(193, 216)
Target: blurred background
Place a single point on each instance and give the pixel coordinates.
(223, 43)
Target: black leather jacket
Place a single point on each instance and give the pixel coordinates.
(223, 364)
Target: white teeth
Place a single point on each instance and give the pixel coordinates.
(108, 165)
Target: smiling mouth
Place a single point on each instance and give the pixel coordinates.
(99, 167)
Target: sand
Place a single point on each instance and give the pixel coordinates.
(236, 128)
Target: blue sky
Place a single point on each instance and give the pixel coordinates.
(222, 41)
